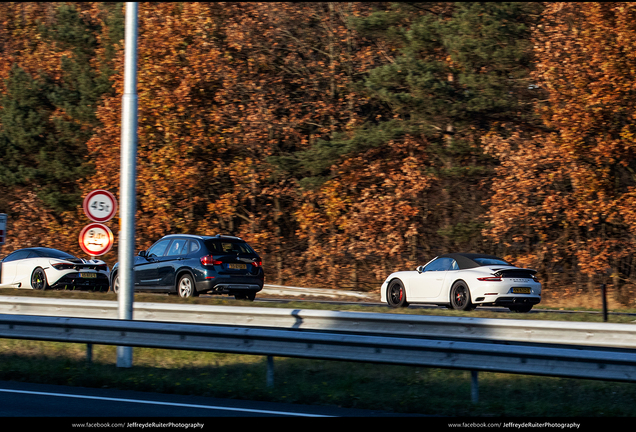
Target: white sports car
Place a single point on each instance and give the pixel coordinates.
(41, 268)
(463, 281)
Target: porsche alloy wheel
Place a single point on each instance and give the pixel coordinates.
(38, 279)
(460, 297)
(396, 295)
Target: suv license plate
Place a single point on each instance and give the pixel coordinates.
(521, 290)
(88, 275)
(238, 266)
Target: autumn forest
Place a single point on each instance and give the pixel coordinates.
(343, 141)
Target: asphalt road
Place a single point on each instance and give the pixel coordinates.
(27, 400)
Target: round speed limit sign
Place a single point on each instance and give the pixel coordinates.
(96, 239)
(100, 205)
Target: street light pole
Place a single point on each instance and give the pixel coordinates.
(128, 174)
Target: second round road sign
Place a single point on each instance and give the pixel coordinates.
(96, 239)
(100, 205)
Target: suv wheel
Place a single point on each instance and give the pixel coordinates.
(115, 287)
(186, 287)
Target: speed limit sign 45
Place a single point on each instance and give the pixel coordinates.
(100, 205)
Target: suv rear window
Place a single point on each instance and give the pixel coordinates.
(228, 247)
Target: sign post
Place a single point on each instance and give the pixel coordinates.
(97, 239)
(128, 174)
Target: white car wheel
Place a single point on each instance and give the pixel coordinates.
(38, 279)
(460, 297)
(396, 294)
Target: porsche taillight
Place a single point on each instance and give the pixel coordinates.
(490, 279)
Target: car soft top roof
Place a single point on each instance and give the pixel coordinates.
(466, 260)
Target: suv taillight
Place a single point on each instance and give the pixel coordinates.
(258, 263)
(210, 260)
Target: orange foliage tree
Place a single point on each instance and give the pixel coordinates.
(564, 198)
(42, 49)
(222, 88)
(235, 98)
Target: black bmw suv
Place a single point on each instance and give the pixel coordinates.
(190, 265)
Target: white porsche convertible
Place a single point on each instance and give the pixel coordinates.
(41, 268)
(463, 281)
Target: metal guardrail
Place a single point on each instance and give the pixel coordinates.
(614, 365)
(606, 335)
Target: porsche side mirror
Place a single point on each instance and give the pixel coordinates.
(420, 269)
(142, 253)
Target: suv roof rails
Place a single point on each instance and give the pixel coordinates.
(227, 236)
(184, 235)
(204, 236)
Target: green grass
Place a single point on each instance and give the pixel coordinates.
(400, 389)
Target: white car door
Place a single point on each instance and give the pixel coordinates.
(9, 265)
(427, 285)
(24, 269)
(8, 273)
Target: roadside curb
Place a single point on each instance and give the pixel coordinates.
(314, 292)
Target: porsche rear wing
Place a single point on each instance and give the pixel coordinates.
(516, 272)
